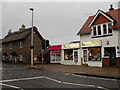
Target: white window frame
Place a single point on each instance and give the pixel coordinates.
(101, 25)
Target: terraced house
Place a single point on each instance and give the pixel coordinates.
(16, 45)
(100, 39)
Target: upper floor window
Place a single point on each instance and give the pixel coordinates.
(21, 44)
(109, 28)
(99, 29)
(94, 31)
(102, 29)
(11, 44)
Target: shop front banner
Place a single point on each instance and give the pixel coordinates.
(70, 46)
(91, 43)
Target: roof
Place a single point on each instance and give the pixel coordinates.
(74, 42)
(20, 35)
(113, 14)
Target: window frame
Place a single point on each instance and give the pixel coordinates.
(102, 29)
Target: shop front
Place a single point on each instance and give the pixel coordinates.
(55, 53)
(110, 58)
(91, 53)
(70, 54)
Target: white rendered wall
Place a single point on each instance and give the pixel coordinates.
(113, 42)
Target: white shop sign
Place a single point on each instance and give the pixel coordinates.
(70, 46)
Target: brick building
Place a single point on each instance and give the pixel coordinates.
(16, 45)
(100, 39)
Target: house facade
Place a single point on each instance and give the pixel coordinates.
(16, 45)
(99, 36)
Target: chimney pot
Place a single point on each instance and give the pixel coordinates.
(22, 27)
(111, 7)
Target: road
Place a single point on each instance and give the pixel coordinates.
(21, 78)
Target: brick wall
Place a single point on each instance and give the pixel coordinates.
(118, 61)
(25, 50)
(105, 62)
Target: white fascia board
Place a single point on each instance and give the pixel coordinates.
(103, 15)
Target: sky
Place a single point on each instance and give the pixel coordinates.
(59, 22)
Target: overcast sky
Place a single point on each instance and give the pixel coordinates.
(59, 22)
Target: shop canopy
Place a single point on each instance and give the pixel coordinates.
(55, 47)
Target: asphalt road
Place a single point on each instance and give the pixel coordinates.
(21, 78)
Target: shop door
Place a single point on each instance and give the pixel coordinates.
(75, 56)
(85, 55)
(112, 54)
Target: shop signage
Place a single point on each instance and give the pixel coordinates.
(70, 46)
(91, 43)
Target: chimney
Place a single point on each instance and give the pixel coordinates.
(9, 31)
(111, 7)
(22, 27)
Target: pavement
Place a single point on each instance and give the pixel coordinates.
(104, 72)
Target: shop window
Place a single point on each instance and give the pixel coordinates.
(55, 55)
(68, 54)
(94, 54)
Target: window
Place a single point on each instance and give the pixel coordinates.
(94, 54)
(104, 29)
(21, 57)
(11, 45)
(55, 56)
(99, 30)
(109, 28)
(94, 31)
(21, 44)
(68, 54)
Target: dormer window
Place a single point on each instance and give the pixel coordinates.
(104, 29)
(94, 31)
(109, 28)
(101, 30)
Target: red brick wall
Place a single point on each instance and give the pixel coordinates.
(105, 62)
(101, 19)
(118, 61)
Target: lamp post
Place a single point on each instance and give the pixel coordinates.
(32, 38)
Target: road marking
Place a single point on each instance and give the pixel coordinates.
(21, 79)
(102, 88)
(78, 84)
(67, 73)
(93, 77)
(58, 81)
(53, 79)
(79, 75)
(10, 86)
(102, 78)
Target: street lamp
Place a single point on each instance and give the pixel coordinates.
(32, 38)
